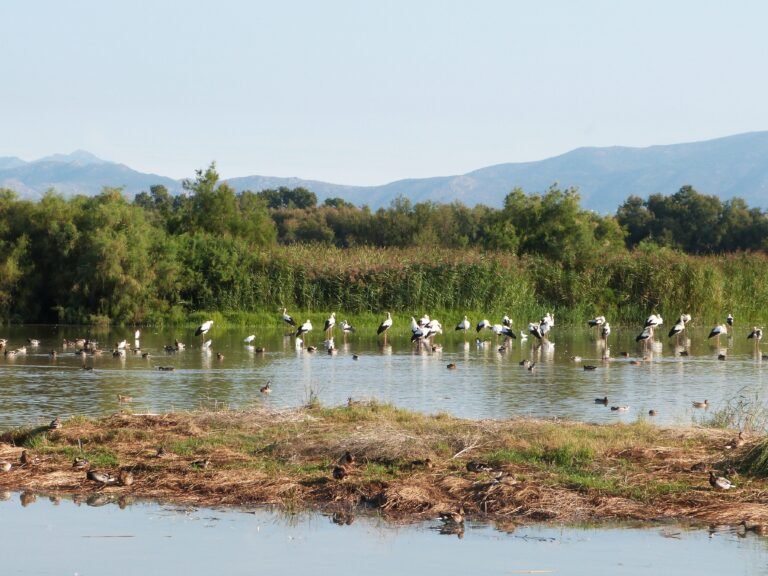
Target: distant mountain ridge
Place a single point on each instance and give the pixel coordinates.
(727, 167)
(77, 173)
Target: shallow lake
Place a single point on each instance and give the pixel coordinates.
(486, 383)
(43, 536)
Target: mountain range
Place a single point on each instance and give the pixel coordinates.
(727, 167)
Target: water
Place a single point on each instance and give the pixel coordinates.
(485, 383)
(147, 539)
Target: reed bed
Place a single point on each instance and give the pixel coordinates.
(369, 281)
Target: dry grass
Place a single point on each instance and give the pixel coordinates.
(406, 465)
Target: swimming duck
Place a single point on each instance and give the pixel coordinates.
(603, 400)
(719, 482)
(699, 404)
(475, 466)
(651, 412)
(267, 388)
(456, 517)
(451, 366)
(124, 399)
(590, 367)
(166, 368)
(759, 529)
(619, 408)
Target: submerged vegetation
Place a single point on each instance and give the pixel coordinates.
(159, 258)
(404, 464)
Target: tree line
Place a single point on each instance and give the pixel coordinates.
(107, 258)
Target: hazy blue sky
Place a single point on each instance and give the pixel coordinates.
(368, 92)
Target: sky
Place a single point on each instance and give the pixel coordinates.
(363, 92)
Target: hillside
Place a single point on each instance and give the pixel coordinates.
(731, 166)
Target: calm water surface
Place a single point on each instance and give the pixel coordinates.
(485, 384)
(47, 538)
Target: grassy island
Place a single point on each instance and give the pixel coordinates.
(405, 465)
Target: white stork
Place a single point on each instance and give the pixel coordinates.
(203, 329)
(596, 322)
(716, 331)
(288, 318)
(605, 331)
(654, 320)
(483, 324)
(464, 325)
(304, 328)
(249, 339)
(677, 329)
(729, 320)
(646, 335)
(329, 324)
(756, 335)
(384, 326)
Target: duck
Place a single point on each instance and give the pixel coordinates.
(125, 477)
(651, 412)
(737, 442)
(219, 356)
(166, 368)
(267, 388)
(699, 404)
(759, 529)
(161, 452)
(590, 367)
(80, 463)
(477, 467)
(55, 424)
(339, 472)
(201, 464)
(451, 366)
(27, 459)
(720, 482)
(619, 408)
(455, 517)
(102, 477)
(603, 400)
(346, 459)
(124, 399)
